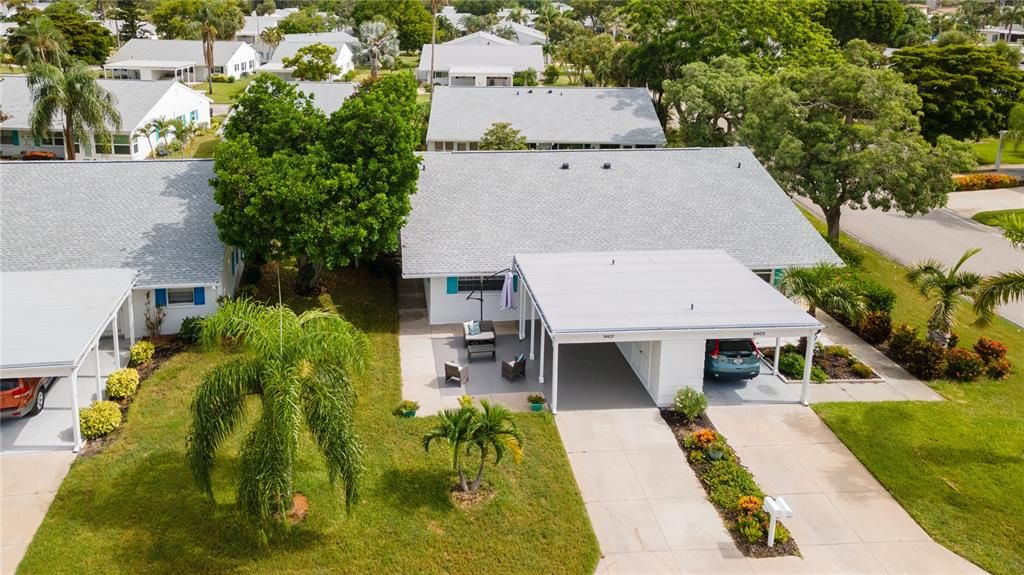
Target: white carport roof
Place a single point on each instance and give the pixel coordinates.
(648, 295)
(49, 320)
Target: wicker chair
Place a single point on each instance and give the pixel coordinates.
(515, 368)
(459, 373)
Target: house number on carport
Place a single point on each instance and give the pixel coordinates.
(758, 333)
(608, 336)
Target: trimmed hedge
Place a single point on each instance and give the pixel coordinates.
(122, 383)
(99, 419)
(973, 182)
(141, 352)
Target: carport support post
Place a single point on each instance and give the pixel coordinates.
(775, 360)
(533, 328)
(117, 344)
(75, 425)
(554, 376)
(131, 319)
(542, 330)
(805, 392)
(522, 316)
(96, 355)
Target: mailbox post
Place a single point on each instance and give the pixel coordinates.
(775, 508)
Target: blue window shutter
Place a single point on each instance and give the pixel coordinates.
(161, 297)
(15, 138)
(199, 296)
(515, 284)
(453, 284)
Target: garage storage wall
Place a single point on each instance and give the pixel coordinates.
(665, 366)
(445, 307)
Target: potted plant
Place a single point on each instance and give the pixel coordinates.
(407, 408)
(536, 401)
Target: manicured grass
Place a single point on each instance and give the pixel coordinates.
(133, 507)
(204, 146)
(956, 466)
(995, 218)
(224, 92)
(11, 69)
(405, 62)
(985, 151)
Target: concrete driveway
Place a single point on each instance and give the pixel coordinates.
(940, 234)
(966, 204)
(28, 483)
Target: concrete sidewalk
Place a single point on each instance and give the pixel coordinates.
(966, 204)
(28, 483)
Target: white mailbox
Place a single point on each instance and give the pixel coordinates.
(775, 508)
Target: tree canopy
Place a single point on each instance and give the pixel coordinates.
(314, 63)
(877, 21)
(130, 15)
(709, 99)
(967, 90)
(502, 136)
(178, 18)
(305, 21)
(83, 38)
(409, 17)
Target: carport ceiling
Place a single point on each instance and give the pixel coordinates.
(654, 291)
(50, 319)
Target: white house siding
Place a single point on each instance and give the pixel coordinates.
(444, 307)
(244, 61)
(681, 365)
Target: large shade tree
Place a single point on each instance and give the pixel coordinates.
(70, 96)
(848, 136)
(410, 18)
(877, 21)
(709, 99)
(299, 369)
(314, 62)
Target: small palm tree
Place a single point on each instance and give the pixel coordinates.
(44, 43)
(377, 46)
(72, 95)
(161, 126)
(454, 427)
(496, 431)
(1004, 287)
(945, 288)
(518, 15)
(144, 133)
(272, 36)
(823, 286)
(299, 369)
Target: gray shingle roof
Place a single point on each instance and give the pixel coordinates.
(480, 38)
(134, 100)
(475, 210)
(155, 217)
(519, 58)
(175, 51)
(571, 115)
(328, 96)
(288, 48)
(322, 37)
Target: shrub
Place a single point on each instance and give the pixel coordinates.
(837, 351)
(850, 257)
(749, 504)
(141, 352)
(963, 365)
(690, 403)
(990, 350)
(99, 419)
(218, 78)
(349, 76)
(926, 359)
(973, 182)
(122, 383)
(998, 369)
(750, 528)
(877, 297)
(900, 341)
(875, 327)
(247, 291)
(792, 366)
(728, 481)
(190, 329)
(861, 370)
(405, 406)
(535, 398)
(551, 74)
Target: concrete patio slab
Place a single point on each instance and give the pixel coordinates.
(819, 522)
(872, 392)
(777, 470)
(664, 473)
(790, 424)
(28, 483)
(587, 431)
(832, 468)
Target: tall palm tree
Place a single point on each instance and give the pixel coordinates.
(945, 288)
(1004, 287)
(1012, 13)
(454, 427)
(378, 45)
(144, 133)
(161, 126)
(215, 20)
(823, 286)
(547, 15)
(298, 367)
(44, 44)
(518, 15)
(72, 95)
(272, 36)
(495, 430)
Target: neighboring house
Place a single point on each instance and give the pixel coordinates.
(525, 35)
(139, 103)
(474, 211)
(292, 43)
(114, 26)
(152, 217)
(997, 33)
(469, 65)
(480, 39)
(149, 59)
(327, 96)
(255, 25)
(549, 118)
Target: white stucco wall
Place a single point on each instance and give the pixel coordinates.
(666, 366)
(245, 54)
(455, 308)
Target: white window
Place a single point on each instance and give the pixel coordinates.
(469, 284)
(52, 139)
(243, 66)
(180, 296)
(236, 67)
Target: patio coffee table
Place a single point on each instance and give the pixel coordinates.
(481, 347)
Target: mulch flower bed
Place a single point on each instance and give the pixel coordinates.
(838, 365)
(731, 514)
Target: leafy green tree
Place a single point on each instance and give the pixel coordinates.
(326, 201)
(305, 21)
(314, 62)
(489, 429)
(104, 8)
(378, 46)
(877, 21)
(847, 135)
(273, 115)
(860, 53)
(502, 136)
(300, 369)
(71, 96)
(588, 59)
(130, 15)
(709, 99)
(915, 30)
(945, 289)
(472, 23)
(83, 38)
(824, 287)
(527, 77)
(480, 7)
(38, 41)
(173, 19)
(967, 90)
(1004, 287)
(410, 18)
(266, 7)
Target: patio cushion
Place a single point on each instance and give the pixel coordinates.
(520, 357)
(474, 328)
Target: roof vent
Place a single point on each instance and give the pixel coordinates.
(517, 92)
(739, 165)
(529, 91)
(607, 166)
(565, 165)
(551, 91)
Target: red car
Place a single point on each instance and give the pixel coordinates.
(23, 396)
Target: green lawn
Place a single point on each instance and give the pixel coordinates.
(133, 508)
(11, 69)
(224, 92)
(985, 151)
(995, 218)
(957, 466)
(405, 62)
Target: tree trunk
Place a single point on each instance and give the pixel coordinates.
(458, 469)
(480, 470)
(69, 139)
(832, 221)
(308, 278)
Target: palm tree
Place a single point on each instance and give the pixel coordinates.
(161, 127)
(823, 286)
(495, 430)
(1004, 287)
(518, 15)
(547, 15)
(188, 134)
(455, 427)
(299, 369)
(215, 20)
(71, 94)
(144, 133)
(378, 45)
(1012, 13)
(945, 288)
(272, 36)
(44, 43)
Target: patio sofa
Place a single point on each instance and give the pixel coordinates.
(482, 342)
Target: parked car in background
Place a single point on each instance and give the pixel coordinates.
(731, 357)
(23, 396)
